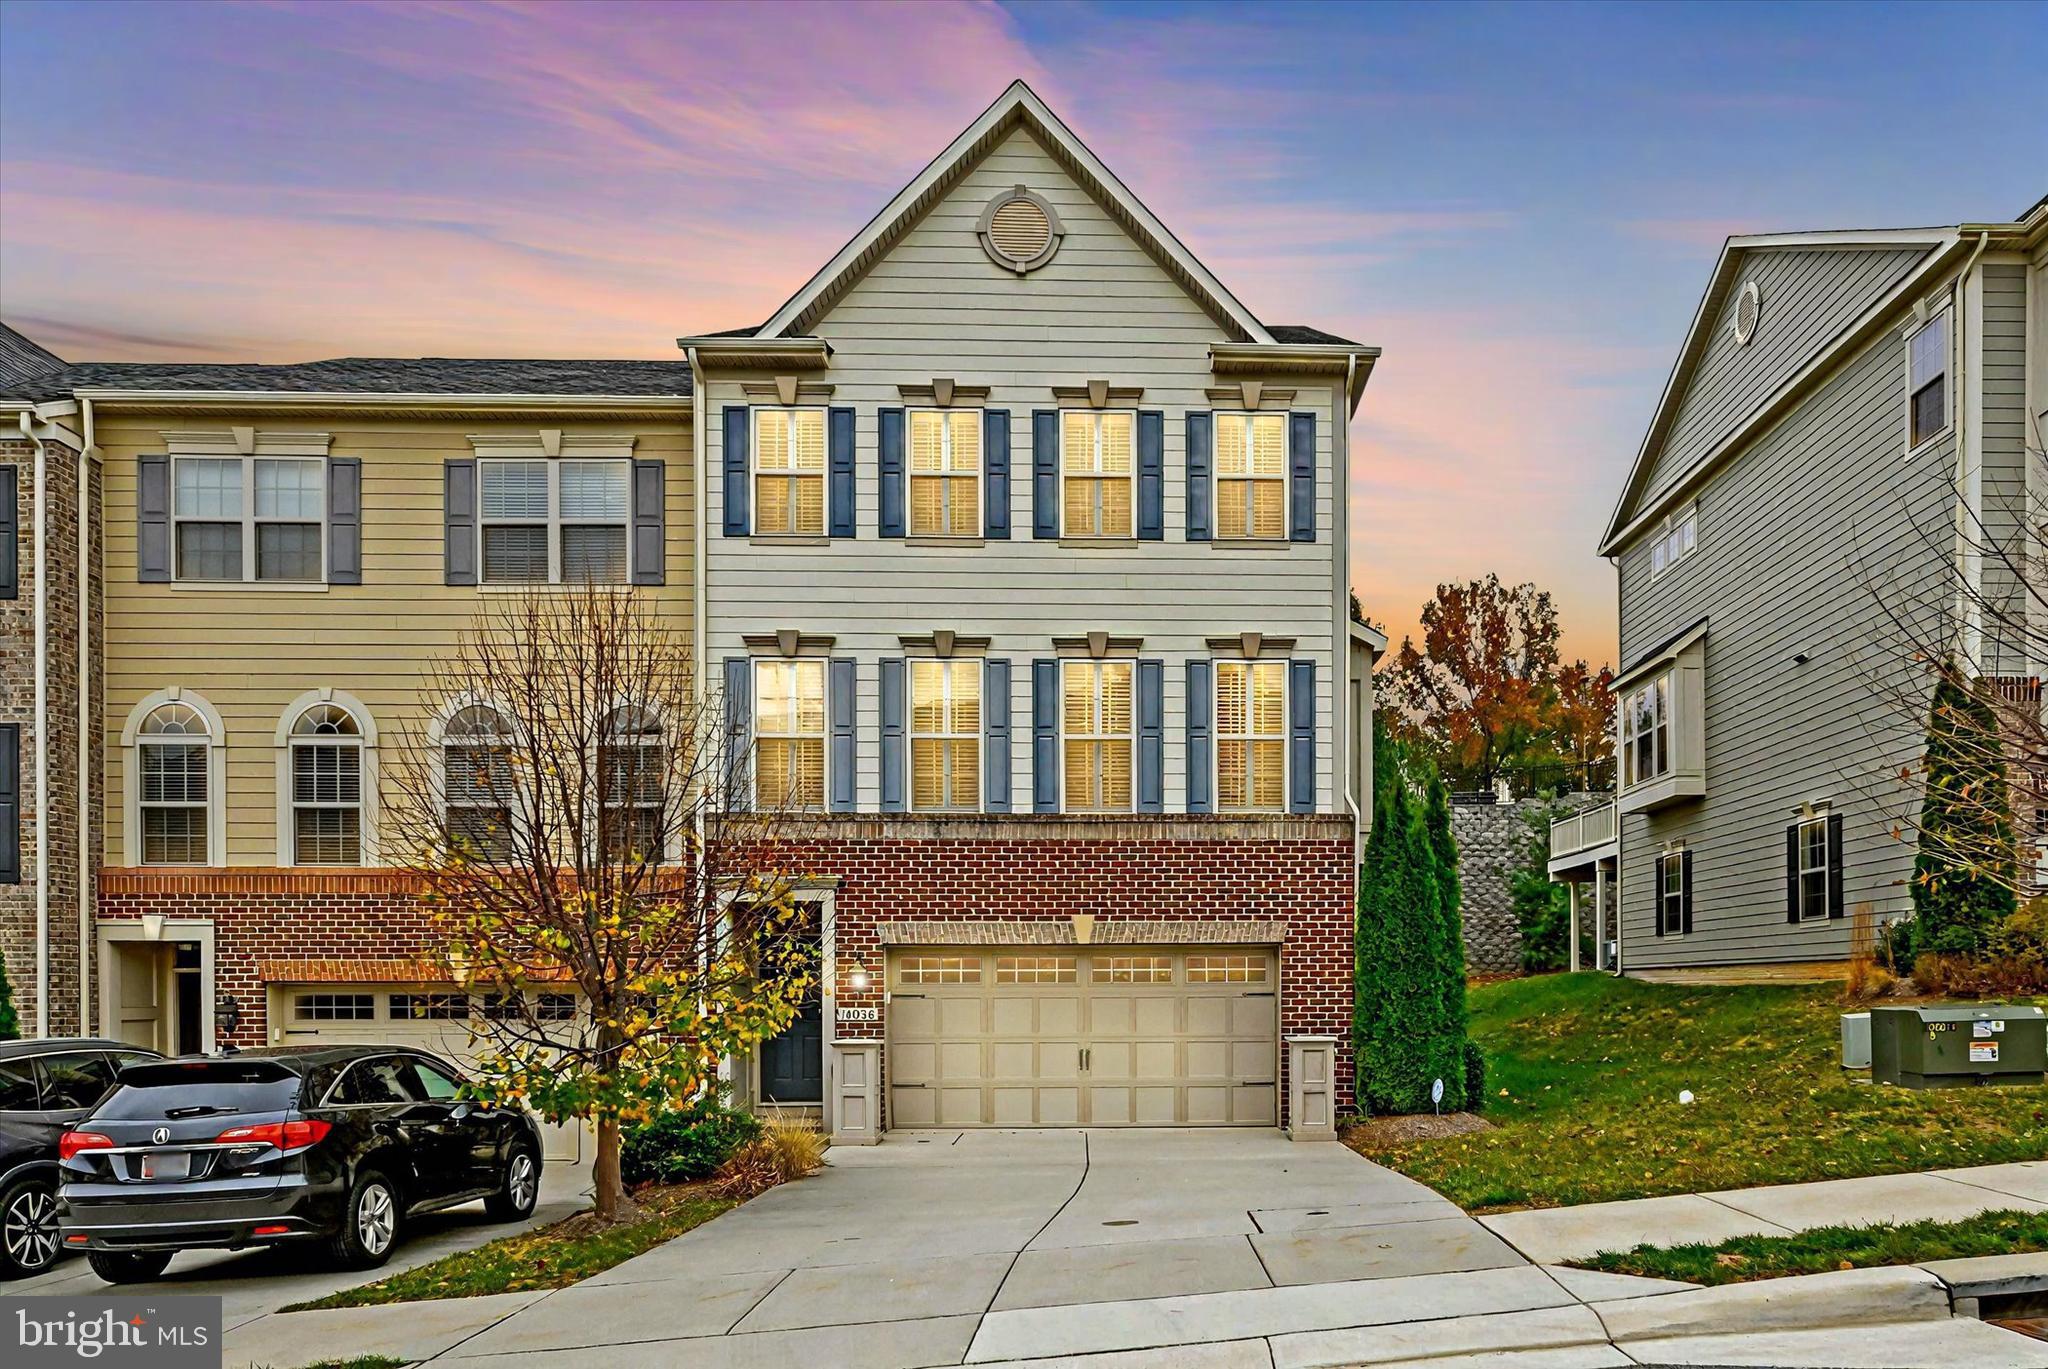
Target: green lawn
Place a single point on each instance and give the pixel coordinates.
(1584, 1073)
(547, 1258)
(1832, 1247)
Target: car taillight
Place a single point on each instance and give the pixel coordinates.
(72, 1142)
(284, 1135)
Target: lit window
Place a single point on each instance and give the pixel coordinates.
(1097, 467)
(1646, 732)
(172, 760)
(945, 473)
(945, 734)
(1035, 969)
(1131, 969)
(327, 787)
(1927, 381)
(476, 770)
(1674, 543)
(1099, 731)
(1226, 969)
(789, 734)
(555, 522)
(1251, 736)
(632, 777)
(1251, 471)
(939, 969)
(1814, 864)
(789, 471)
(249, 518)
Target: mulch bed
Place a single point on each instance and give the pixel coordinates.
(1422, 1126)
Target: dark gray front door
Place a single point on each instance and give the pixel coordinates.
(793, 1064)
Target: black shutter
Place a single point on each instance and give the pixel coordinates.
(1836, 907)
(995, 478)
(153, 519)
(1045, 473)
(458, 522)
(1151, 475)
(737, 440)
(344, 520)
(1657, 889)
(1685, 891)
(10, 803)
(1792, 873)
(889, 440)
(839, 423)
(650, 531)
(10, 531)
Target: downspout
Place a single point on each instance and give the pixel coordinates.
(86, 891)
(42, 719)
(1342, 710)
(1620, 823)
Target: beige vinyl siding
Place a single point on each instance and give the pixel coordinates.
(251, 651)
(2004, 376)
(936, 306)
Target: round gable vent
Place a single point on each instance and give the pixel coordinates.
(1748, 311)
(1019, 230)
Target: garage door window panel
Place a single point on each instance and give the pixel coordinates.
(1132, 969)
(334, 1007)
(939, 969)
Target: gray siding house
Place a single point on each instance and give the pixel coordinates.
(1845, 406)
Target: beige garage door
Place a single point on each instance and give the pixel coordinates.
(1062, 1037)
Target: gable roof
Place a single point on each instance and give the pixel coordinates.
(365, 376)
(1015, 107)
(22, 357)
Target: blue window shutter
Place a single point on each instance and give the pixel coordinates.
(1201, 712)
(1045, 736)
(889, 433)
(995, 474)
(1151, 475)
(1151, 704)
(1301, 736)
(344, 520)
(1301, 460)
(1045, 473)
(840, 438)
(10, 803)
(1201, 457)
(458, 520)
(995, 736)
(739, 729)
(893, 748)
(840, 705)
(738, 439)
(153, 520)
(650, 527)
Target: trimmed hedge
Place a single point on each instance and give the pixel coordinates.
(688, 1144)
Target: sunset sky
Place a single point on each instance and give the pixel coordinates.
(1521, 203)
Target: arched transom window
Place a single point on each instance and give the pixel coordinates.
(327, 787)
(172, 748)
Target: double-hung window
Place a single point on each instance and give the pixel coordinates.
(1251, 736)
(1097, 473)
(1671, 893)
(945, 734)
(327, 787)
(789, 472)
(1251, 476)
(1927, 356)
(476, 781)
(1811, 876)
(555, 522)
(945, 473)
(632, 772)
(249, 518)
(1675, 542)
(1099, 734)
(1646, 732)
(789, 734)
(172, 752)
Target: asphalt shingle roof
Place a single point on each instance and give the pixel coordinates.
(370, 375)
(1301, 332)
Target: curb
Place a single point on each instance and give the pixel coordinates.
(1848, 1297)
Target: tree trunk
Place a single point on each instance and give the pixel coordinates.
(606, 1185)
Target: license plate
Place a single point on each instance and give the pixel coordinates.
(172, 1164)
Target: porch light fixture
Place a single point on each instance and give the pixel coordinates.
(857, 977)
(152, 926)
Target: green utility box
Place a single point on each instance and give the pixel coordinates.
(1946, 1048)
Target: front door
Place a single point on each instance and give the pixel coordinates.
(793, 1063)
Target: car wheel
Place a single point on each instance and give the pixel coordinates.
(28, 1228)
(518, 1191)
(369, 1222)
(128, 1266)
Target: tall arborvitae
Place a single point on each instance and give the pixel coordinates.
(9, 1027)
(1963, 874)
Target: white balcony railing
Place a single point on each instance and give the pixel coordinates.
(1582, 831)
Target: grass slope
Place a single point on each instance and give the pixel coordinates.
(1583, 1077)
(1832, 1247)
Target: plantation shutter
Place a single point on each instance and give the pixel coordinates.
(737, 519)
(1301, 736)
(1792, 873)
(840, 707)
(1045, 736)
(1301, 460)
(10, 532)
(995, 478)
(1045, 473)
(1151, 475)
(1151, 710)
(1685, 891)
(1836, 907)
(10, 803)
(893, 749)
(153, 520)
(839, 423)
(889, 430)
(650, 530)
(344, 520)
(458, 522)
(1201, 711)
(739, 725)
(1657, 892)
(1201, 456)
(995, 736)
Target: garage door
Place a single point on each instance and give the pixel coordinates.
(428, 1017)
(1037, 1037)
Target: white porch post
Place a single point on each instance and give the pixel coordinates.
(1600, 914)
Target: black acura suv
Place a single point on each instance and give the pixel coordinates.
(332, 1144)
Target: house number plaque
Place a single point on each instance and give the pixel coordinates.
(860, 1014)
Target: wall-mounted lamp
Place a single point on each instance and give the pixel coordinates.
(857, 976)
(227, 1015)
(152, 926)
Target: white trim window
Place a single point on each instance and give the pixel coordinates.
(327, 786)
(1676, 540)
(1671, 892)
(1815, 867)
(476, 782)
(789, 734)
(1251, 736)
(1927, 388)
(249, 518)
(945, 473)
(789, 472)
(945, 735)
(1646, 732)
(173, 797)
(632, 762)
(1099, 723)
(1251, 477)
(1098, 473)
(560, 521)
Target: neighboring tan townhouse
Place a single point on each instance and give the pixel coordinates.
(1015, 544)
(1841, 472)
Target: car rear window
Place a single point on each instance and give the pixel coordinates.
(214, 1086)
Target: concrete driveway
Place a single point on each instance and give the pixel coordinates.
(251, 1283)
